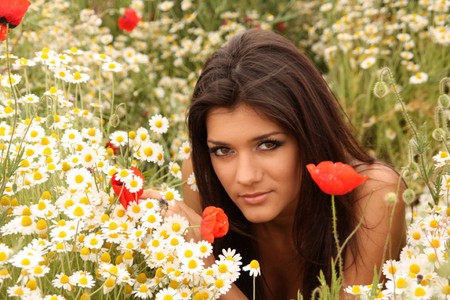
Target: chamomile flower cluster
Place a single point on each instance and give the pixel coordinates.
(374, 33)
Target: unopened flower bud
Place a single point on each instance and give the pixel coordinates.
(114, 121)
(380, 89)
(409, 196)
(438, 134)
(444, 100)
(391, 198)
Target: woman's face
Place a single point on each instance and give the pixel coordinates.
(256, 161)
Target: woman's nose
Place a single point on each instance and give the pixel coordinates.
(248, 170)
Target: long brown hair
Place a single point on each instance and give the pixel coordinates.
(268, 73)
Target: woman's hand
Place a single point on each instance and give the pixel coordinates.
(180, 208)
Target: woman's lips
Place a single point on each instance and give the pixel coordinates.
(255, 198)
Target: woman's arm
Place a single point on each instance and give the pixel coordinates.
(383, 231)
(191, 198)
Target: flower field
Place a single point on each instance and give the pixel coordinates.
(93, 96)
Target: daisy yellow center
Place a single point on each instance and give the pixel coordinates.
(83, 281)
(119, 139)
(219, 283)
(433, 224)
(416, 235)
(160, 255)
(444, 154)
(26, 221)
(91, 131)
(414, 268)
(113, 226)
(3, 256)
(435, 243)
(169, 196)
(143, 288)
(254, 264)
(88, 157)
(112, 66)
(392, 270)
(151, 219)
(114, 270)
(148, 151)
(34, 133)
(25, 262)
(109, 283)
(77, 76)
(402, 283)
(446, 290)
(223, 268)
(134, 183)
(420, 292)
(79, 178)
(188, 253)
(37, 176)
(176, 227)
(159, 123)
(192, 264)
(8, 109)
(41, 224)
(78, 211)
(64, 279)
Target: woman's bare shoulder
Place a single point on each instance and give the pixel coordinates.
(380, 177)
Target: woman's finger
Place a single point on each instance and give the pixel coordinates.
(149, 193)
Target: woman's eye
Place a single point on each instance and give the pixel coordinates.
(269, 145)
(220, 151)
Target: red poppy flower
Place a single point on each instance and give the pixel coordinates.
(335, 178)
(11, 13)
(129, 20)
(214, 223)
(125, 196)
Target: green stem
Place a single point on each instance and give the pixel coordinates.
(336, 237)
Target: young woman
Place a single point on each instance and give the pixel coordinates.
(261, 112)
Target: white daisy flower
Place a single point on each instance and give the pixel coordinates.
(159, 124)
(175, 169)
(253, 268)
(112, 66)
(134, 183)
(78, 77)
(184, 151)
(192, 265)
(93, 241)
(82, 279)
(368, 62)
(418, 78)
(29, 99)
(8, 81)
(170, 195)
(119, 138)
(192, 182)
(79, 178)
(166, 5)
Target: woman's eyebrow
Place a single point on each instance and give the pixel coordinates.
(256, 138)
